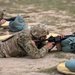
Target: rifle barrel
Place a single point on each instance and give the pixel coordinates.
(10, 19)
(53, 39)
(40, 41)
(13, 18)
(67, 36)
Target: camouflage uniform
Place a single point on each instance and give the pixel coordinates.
(20, 45)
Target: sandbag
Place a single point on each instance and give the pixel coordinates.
(68, 45)
(18, 24)
(70, 64)
(63, 69)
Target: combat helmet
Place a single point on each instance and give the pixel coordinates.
(38, 31)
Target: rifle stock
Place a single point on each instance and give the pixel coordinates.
(13, 18)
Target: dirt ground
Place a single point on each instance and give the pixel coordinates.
(27, 66)
(57, 22)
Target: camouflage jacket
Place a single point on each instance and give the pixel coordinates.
(20, 45)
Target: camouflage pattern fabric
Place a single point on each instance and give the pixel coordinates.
(20, 45)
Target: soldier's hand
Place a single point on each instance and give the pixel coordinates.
(32, 42)
(61, 35)
(50, 45)
(58, 46)
(2, 21)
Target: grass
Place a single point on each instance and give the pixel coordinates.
(63, 55)
(63, 27)
(59, 55)
(15, 11)
(64, 5)
(50, 71)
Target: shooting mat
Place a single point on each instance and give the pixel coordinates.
(62, 69)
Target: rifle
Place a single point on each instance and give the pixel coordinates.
(12, 18)
(56, 39)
